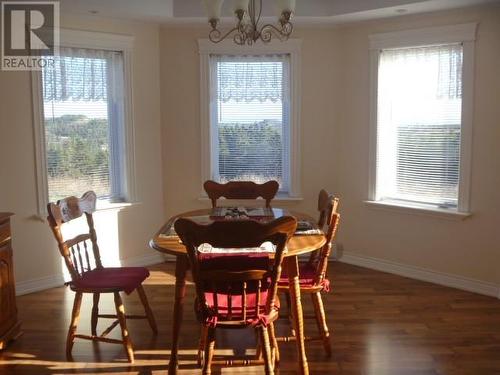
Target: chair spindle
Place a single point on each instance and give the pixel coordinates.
(75, 260)
(244, 302)
(87, 258)
(257, 297)
(229, 302)
(79, 251)
(214, 294)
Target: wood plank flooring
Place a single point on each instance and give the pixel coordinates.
(380, 323)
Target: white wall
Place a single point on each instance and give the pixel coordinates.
(126, 232)
(469, 248)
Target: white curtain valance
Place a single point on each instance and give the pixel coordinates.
(79, 74)
(250, 78)
(448, 60)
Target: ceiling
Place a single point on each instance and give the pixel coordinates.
(307, 11)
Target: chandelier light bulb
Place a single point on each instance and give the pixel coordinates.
(213, 8)
(241, 5)
(285, 5)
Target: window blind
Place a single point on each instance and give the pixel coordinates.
(82, 94)
(250, 118)
(419, 124)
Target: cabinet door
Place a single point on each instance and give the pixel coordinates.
(7, 298)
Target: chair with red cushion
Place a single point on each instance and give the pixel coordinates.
(237, 290)
(312, 274)
(82, 258)
(241, 190)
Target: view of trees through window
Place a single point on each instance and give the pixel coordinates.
(77, 150)
(251, 147)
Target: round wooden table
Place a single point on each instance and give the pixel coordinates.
(167, 242)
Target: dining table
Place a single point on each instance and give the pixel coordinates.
(303, 241)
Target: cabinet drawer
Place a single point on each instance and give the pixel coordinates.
(4, 231)
(5, 251)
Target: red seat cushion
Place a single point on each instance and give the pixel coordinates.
(123, 278)
(307, 274)
(222, 310)
(219, 292)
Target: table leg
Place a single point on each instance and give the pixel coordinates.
(181, 267)
(296, 308)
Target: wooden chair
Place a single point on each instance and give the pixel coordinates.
(236, 290)
(241, 190)
(312, 274)
(92, 277)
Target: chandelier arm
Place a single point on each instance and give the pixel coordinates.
(240, 38)
(251, 29)
(215, 34)
(268, 31)
(258, 17)
(251, 12)
(287, 28)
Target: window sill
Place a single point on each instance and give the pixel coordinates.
(105, 205)
(417, 210)
(287, 198)
(101, 205)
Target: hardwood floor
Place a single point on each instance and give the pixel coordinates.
(380, 324)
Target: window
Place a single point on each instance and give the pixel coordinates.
(420, 127)
(83, 117)
(418, 120)
(250, 112)
(83, 127)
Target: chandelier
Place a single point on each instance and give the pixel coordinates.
(247, 29)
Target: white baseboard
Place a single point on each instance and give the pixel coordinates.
(142, 261)
(440, 278)
(42, 283)
(47, 282)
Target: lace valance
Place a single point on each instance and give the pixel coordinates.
(79, 74)
(250, 78)
(447, 59)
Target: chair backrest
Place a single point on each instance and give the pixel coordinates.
(241, 190)
(243, 279)
(328, 221)
(75, 250)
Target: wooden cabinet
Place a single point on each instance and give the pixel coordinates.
(9, 325)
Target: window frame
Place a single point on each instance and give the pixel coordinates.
(464, 34)
(291, 47)
(90, 40)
